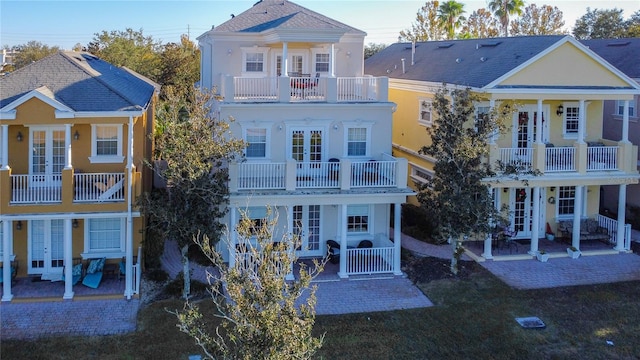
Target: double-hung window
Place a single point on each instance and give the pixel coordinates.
(571, 120)
(620, 108)
(566, 201)
(358, 218)
(425, 116)
(420, 175)
(106, 144)
(357, 141)
(105, 236)
(322, 63)
(257, 143)
(482, 115)
(254, 62)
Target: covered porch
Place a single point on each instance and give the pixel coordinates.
(32, 288)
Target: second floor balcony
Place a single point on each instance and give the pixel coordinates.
(304, 89)
(343, 174)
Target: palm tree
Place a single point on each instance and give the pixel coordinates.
(450, 16)
(503, 8)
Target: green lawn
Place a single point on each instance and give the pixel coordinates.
(473, 319)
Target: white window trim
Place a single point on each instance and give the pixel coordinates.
(368, 125)
(267, 150)
(254, 49)
(88, 254)
(476, 112)
(315, 51)
(426, 123)
(13, 255)
(419, 179)
(632, 105)
(369, 221)
(567, 105)
(105, 159)
(583, 211)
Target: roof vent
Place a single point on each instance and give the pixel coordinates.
(483, 59)
(458, 60)
(444, 45)
(619, 43)
(488, 44)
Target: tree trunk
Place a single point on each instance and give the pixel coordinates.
(186, 290)
(456, 246)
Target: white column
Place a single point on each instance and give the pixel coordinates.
(622, 201)
(342, 225)
(233, 235)
(397, 238)
(291, 239)
(581, 122)
(128, 275)
(577, 214)
(538, 125)
(493, 138)
(285, 59)
(625, 122)
(6, 261)
(535, 222)
(332, 63)
(67, 144)
(487, 242)
(4, 161)
(68, 260)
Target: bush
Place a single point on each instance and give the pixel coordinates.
(153, 247)
(157, 275)
(175, 287)
(418, 223)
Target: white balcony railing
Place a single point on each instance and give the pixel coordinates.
(560, 159)
(373, 173)
(357, 89)
(98, 187)
(317, 175)
(36, 189)
(612, 229)
(602, 158)
(519, 158)
(375, 260)
(257, 176)
(255, 89)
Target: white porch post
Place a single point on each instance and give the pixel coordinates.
(233, 236)
(487, 242)
(397, 238)
(342, 225)
(622, 201)
(68, 260)
(625, 122)
(538, 124)
(285, 59)
(492, 139)
(6, 260)
(292, 245)
(67, 144)
(4, 161)
(535, 222)
(581, 122)
(128, 246)
(577, 214)
(332, 63)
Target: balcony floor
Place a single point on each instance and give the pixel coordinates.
(33, 288)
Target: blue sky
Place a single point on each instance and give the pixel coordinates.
(65, 23)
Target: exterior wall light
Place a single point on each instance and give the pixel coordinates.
(560, 110)
(76, 136)
(19, 136)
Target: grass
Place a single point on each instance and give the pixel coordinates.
(473, 318)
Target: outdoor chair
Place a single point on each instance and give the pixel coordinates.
(333, 251)
(365, 244)
(15, 264)
(94, 273)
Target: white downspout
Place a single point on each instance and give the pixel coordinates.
(6, 260)
(128, 289)
(4, 161)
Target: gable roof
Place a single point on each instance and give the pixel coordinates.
(624, 54)
(280, 15)
(79, 82)
(474, 62)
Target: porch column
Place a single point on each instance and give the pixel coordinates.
(625, 122)
(4, 161)
(128, 245)
(492, 138)
(577, 212)
(6, 259)
(67, 144)
(581, 122)
(292, 240)
(68, 260)
(622, 201)
(397, 238)
(495, 193)
(233, 235)
(535, 222)
(342, 225)
(285, 59)
(332, 63)
(538, 139)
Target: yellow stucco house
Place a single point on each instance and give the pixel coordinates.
(73, 138)
(561, 86)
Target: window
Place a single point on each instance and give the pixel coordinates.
(358, 218)
(482, 115)
(571, 120)
(322, 63)
(257, 140)
(106, 144)
(357, 142)
(425, 116)
(566, 201)
(620, 108)
(254, 62)
(420, 175)
(105, 235)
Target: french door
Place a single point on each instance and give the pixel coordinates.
(46, 248)
(306, 223)
(47, 158)
(522, 212)
(295, 65)
(307, 149)
(525, 123)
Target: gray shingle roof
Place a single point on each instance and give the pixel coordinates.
(624, 54)
(474, 62)
(279, 14)
(80, 81)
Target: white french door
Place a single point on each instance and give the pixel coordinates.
(522, 211)
(525, 121)
(306, 223)
(296, 63)
(46, 248)
(307, 149)
(47, 158)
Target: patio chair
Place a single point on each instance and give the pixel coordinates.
(365, 244)
(15, 264)
(94, 273)
(333, 251)
(122, 266)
